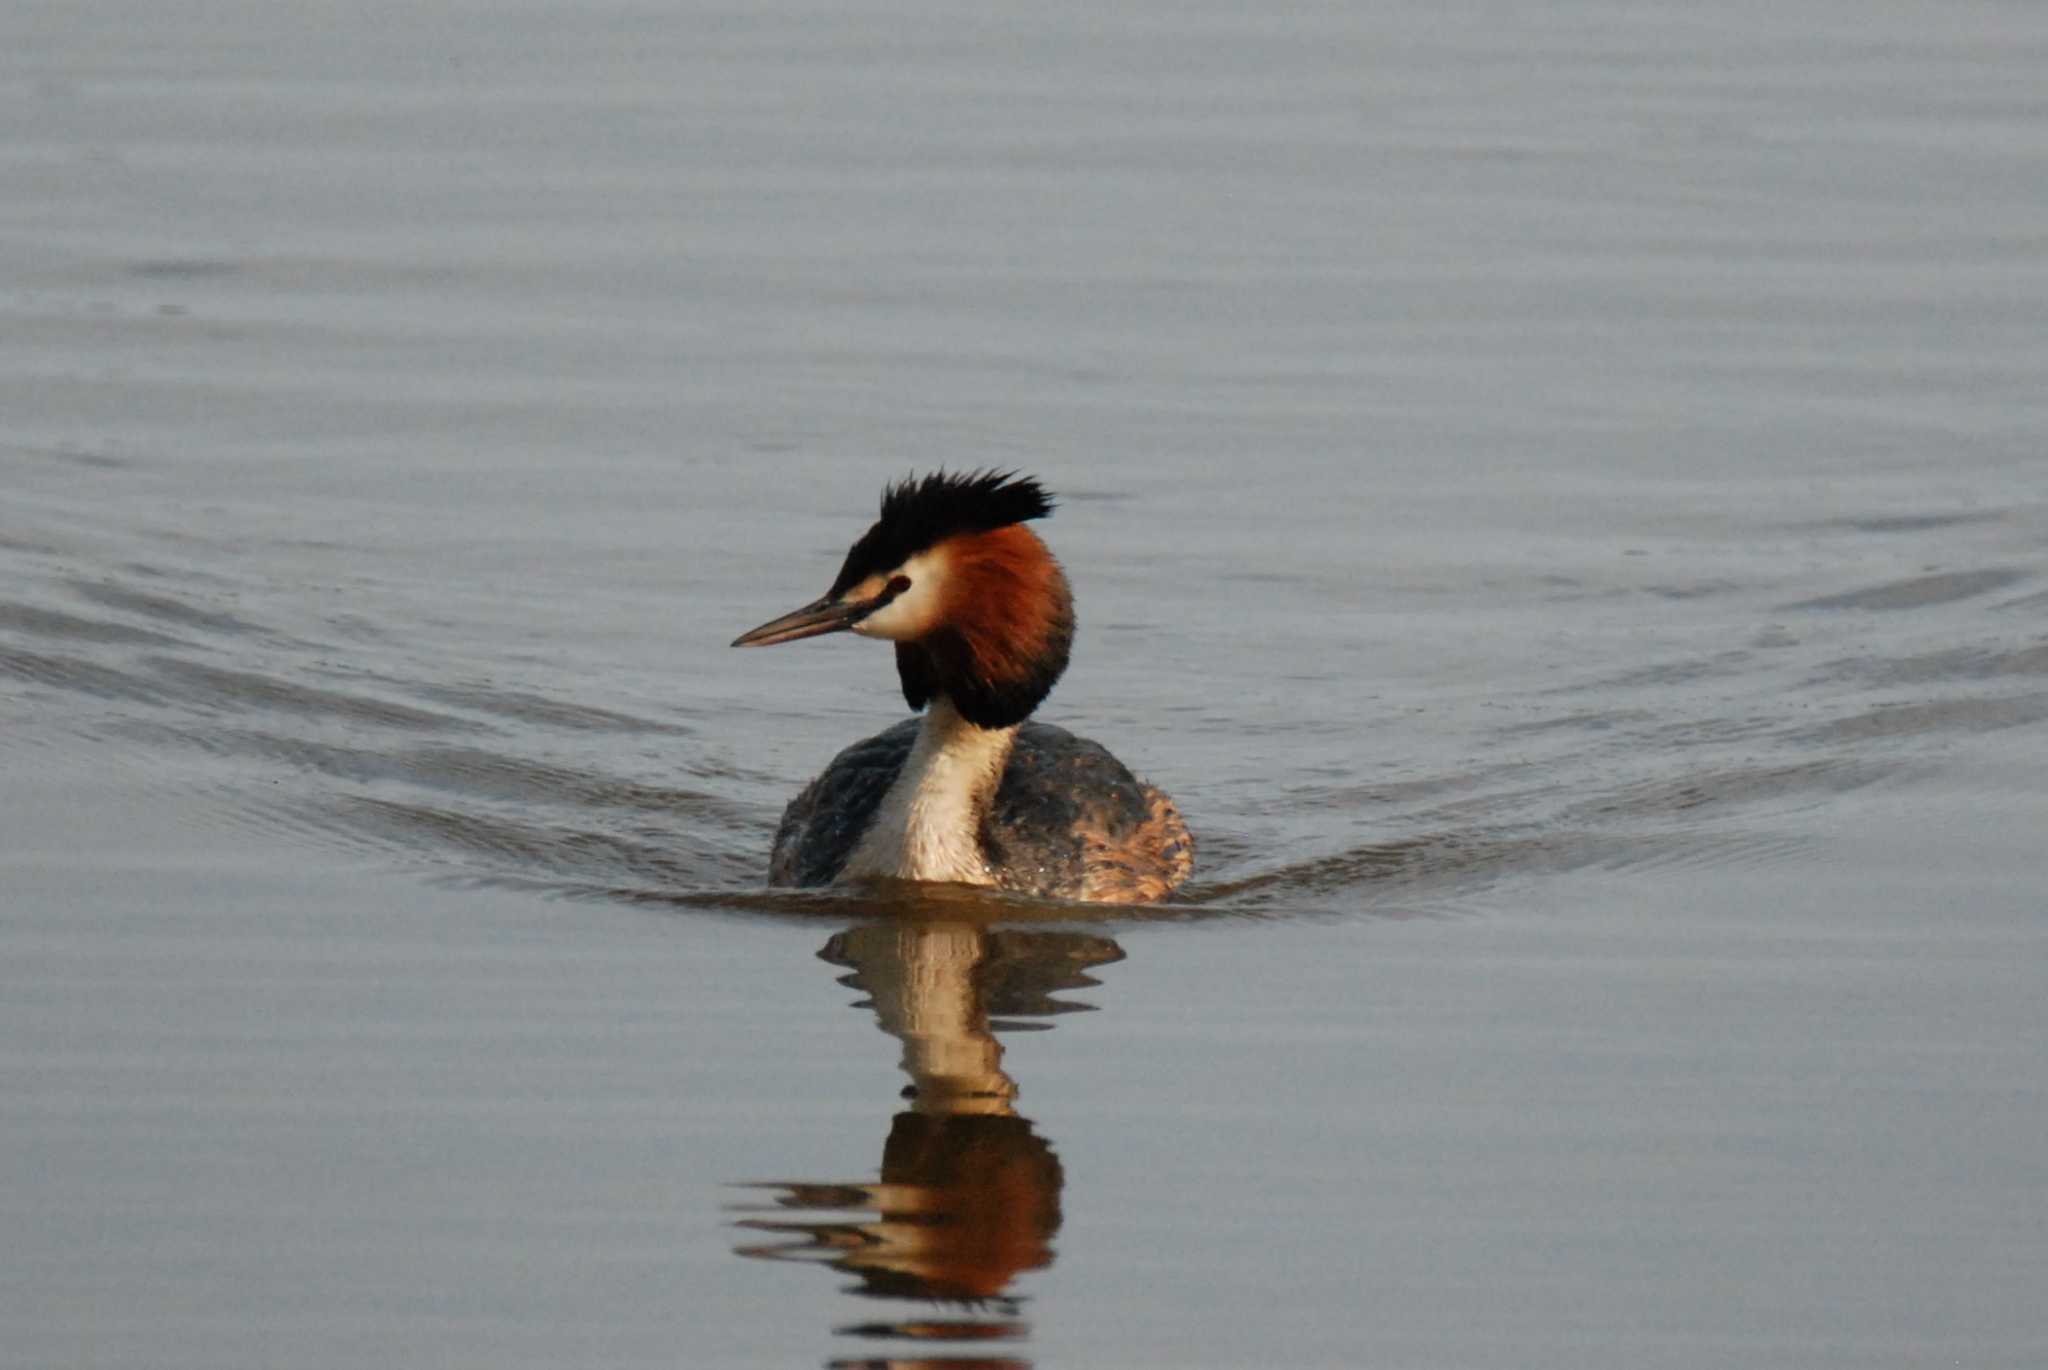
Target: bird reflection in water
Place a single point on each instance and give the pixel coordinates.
(969, 1195)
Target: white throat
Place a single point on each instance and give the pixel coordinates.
(928, 826)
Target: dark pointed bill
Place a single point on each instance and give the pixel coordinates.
(826, 615)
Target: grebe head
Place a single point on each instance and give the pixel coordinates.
(976, 605)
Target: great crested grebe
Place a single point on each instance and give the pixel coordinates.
(982, 621)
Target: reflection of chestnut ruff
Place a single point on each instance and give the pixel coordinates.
(984, 1203)
(966, 1202)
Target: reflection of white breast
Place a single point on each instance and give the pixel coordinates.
(928, 825)
(922, 981)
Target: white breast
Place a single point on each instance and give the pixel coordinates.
(928, 826)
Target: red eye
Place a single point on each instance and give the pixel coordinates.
(898, 584)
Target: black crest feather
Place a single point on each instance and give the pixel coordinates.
(918, 514)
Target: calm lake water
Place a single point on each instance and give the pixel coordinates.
(1557, 493)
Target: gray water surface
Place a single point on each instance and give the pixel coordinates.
(1556, 494)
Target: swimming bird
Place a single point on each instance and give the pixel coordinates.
(973, 792)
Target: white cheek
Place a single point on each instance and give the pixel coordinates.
(913, 613)
(907, 616)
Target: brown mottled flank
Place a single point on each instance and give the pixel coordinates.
(1068, 820)
(1147, 867)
